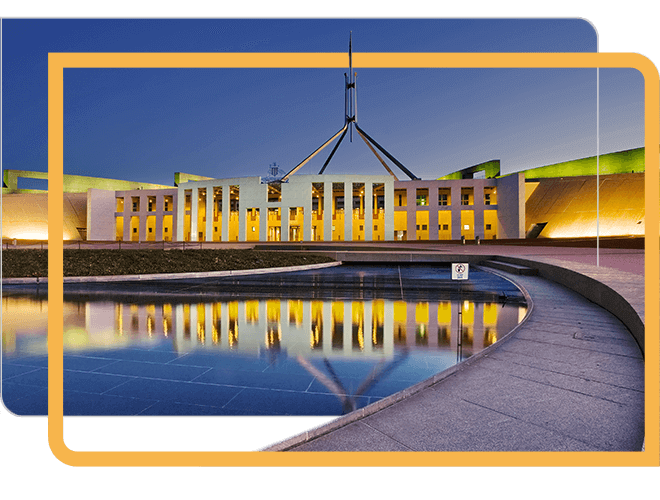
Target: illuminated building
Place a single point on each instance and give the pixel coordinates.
(476, 202)
(551, 202)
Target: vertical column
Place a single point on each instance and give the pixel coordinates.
(177, 326)
(128, 206)
(307, 213)
(175, 218)
(368, 326)
(433, 212)
(284, 230)
(306, 321)
(348, 327)
(327, 327)
(411, 213)
(348, 211)
(389, 211)
(208, 323)
(180, 212)
(142, 224)
(160, 204)
(478, 328)
(194, 202)
(209, 213)
(242, 216)
(327, 211)
(224, 320)
(226, 194)
(388, 327)
(263, 221)
(193, 324)
(433, 323)
(456, 212)
(368, 211)
(479, 228)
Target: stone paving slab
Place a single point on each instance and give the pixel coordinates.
(566, 380)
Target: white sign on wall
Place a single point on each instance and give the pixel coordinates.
(460, 271)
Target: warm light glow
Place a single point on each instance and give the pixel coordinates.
(34, 235)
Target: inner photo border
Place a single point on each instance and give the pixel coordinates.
(57, 62)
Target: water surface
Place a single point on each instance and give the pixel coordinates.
(234, 348)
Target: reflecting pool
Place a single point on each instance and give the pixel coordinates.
(177, 354)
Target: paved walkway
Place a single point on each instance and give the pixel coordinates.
(571, 378)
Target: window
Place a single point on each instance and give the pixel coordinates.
(400, 195)
(135, 229)
(422, 197)
(445, 227)
(167, 229)
(418, 227)
(376, 228)
(136, 203)
(151, 230)
(361, 228)
(467, 196)
(424, 227)
(488, 227)
(490, 195)
(444, 196)
(151, 202)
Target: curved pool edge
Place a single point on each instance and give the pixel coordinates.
(410, 391)
(620, 298)
(171, 276)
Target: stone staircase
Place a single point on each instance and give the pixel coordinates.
(509, 267)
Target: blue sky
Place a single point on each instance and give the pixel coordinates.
(144, 125)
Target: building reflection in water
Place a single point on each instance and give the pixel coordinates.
(375, 328)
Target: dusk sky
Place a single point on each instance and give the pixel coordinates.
(144, 125)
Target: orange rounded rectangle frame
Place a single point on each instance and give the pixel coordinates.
(57, 62)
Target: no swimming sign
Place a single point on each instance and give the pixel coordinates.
(460, 271)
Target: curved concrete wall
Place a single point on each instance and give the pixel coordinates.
(568, 206)
(626, 309)
(25, 216)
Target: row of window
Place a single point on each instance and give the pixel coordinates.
(444, 199)
(444, 196)
(168, 203)
(441, 227)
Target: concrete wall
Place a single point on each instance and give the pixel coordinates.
(25, 215)
(610, 296)
(297, 193)
(568, 205)
(511, 206)
(142, 214)
(73, 183)
(100, 215)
